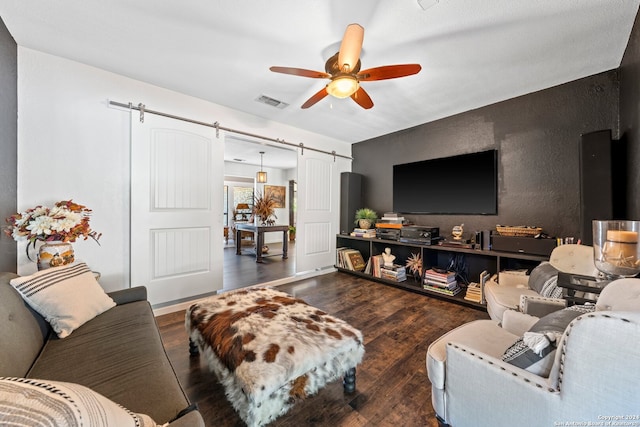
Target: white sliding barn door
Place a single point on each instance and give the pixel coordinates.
(318, 216)
(176, 208)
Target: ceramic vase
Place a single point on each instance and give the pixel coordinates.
(364, 224)
(55, 254)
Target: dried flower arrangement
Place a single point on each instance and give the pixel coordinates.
(264, 207)
(414, 264)
(65, 222)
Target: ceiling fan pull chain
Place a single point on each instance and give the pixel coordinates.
(217, 126)
(141, 107)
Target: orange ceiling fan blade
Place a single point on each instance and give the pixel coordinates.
(300, 72)
(315, 98)
(388, 72)
(362, 98)
(349, 53)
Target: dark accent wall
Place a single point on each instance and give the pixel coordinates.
(630, 117)
(8, 142)
(537, 137)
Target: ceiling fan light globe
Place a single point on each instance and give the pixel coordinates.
(343, 87)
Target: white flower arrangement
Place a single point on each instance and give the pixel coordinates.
(65, 221)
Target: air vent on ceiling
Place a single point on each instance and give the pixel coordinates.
(273, 102)
(426, 4)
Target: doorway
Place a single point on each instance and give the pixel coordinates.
(242, 162)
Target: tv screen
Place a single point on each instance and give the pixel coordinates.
(463, 184)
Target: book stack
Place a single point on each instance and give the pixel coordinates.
(373, 266)
(475, 291)
(364, 232)
(350, 259)
(443, 282)
(390, 220)
(397, 273)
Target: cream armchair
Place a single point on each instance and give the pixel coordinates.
(500, 297)
(594, 373)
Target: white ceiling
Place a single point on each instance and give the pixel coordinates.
(245, 151)
(473, 53)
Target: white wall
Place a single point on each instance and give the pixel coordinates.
(71, 144)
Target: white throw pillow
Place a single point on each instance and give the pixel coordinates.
(66, 296)
(26, 402)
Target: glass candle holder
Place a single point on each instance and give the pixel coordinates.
(615, 248)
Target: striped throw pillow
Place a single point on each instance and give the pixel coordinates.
(26, 402)
(67, 296)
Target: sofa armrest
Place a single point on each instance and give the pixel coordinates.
(516, 279)
(124, 296)
(517, 323)
(540, 306)
(190, 419)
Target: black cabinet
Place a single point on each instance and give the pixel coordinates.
(469, 262)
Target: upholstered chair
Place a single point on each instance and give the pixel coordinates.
(591, 372)
(576, 259)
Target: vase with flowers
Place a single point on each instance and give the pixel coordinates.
(57, 227)
(264, 207)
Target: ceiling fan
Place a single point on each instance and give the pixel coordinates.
(343, 69)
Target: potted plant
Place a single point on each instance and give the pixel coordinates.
(365, 218)
(292, 233)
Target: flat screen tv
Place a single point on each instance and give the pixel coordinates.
(466, 184)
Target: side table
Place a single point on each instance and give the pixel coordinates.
(580, 289)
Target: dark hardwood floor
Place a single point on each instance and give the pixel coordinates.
(242, 270)
(392, 387)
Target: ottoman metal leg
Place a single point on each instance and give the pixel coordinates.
(193, 348)
(349, 381)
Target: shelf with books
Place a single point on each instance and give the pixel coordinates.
(473, 261)
(350, 259)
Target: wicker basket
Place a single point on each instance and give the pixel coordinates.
(520, 231)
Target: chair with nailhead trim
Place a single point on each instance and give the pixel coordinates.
(518, 294)
(595, 371)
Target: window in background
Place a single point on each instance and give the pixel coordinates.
(242, 195)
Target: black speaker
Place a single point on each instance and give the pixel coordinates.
(596, 187)
(350, 200)
(486, 240)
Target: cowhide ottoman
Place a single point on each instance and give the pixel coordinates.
(269, 349)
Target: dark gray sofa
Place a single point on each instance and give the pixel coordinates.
(118, 354)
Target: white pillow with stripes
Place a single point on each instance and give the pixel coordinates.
(26, 402)
(67, 296)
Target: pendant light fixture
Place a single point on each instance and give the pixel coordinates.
(261, 176)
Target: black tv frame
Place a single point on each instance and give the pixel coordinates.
(464, 184)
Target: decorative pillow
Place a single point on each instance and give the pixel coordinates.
(544, 280)
(26, 402)
(535, 351)
(67, 296)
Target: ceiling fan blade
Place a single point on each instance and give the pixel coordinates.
(388, 72)
(362, 98)
(300, 72)
(315, 98)
(350, 47)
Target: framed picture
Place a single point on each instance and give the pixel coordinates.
(278, 193)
